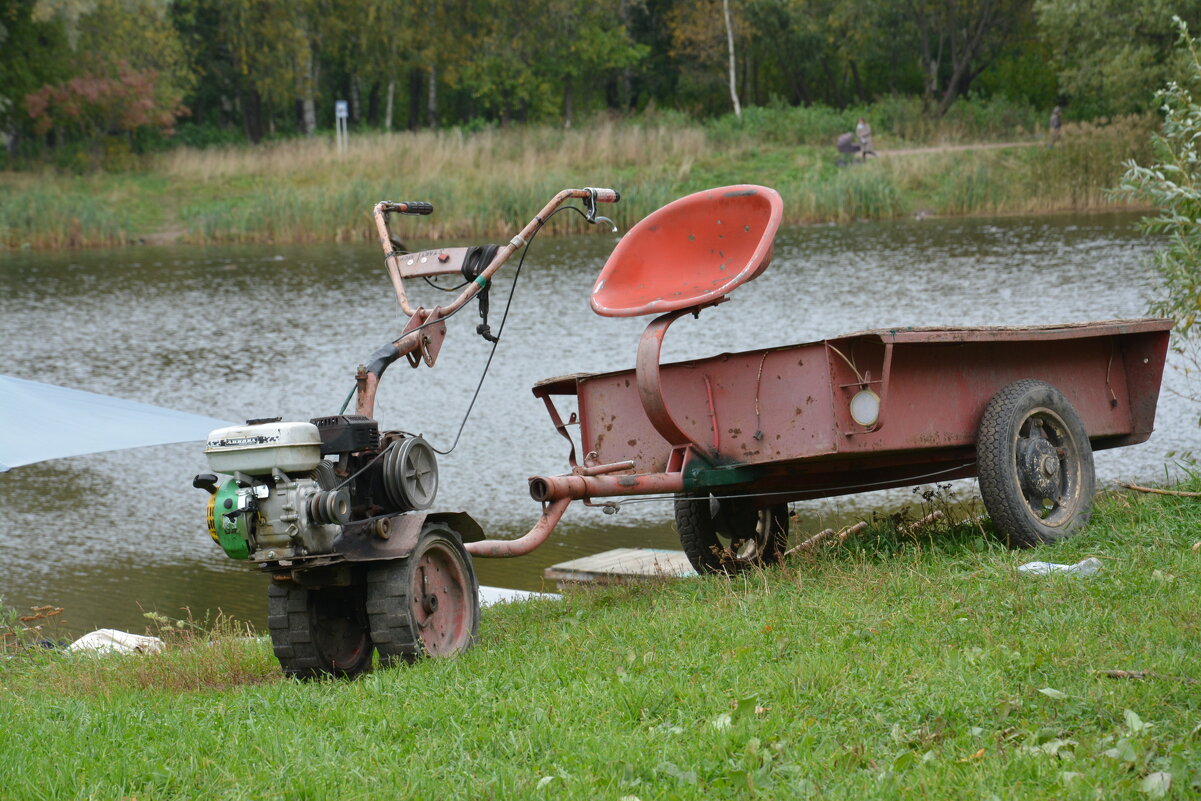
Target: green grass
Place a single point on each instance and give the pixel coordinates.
(893, 666)
(492, 182)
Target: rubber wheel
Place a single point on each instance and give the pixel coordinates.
(1035, 465)
(730, 535)
(321, 631)
(427, 604)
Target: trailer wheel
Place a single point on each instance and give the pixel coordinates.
(427, 604)
(1035, 465)
(729, 535)
(319, 631)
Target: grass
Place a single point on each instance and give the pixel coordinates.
(491, 182)
(892, 666)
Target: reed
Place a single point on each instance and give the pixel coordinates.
(49, 211)
(488, 183)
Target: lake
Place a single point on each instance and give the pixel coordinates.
(261, 331)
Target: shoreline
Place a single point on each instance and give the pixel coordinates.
(490, 185)
(178, 237)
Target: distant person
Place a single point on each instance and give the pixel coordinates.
(864, 132)
(1056, 124)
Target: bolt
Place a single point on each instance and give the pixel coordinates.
(383, 528)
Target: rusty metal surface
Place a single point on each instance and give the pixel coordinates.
(933, 385)
(551, 515)
(426, 263)
(395, 536)
(650, 384)
(1017, 333)
(576, 487)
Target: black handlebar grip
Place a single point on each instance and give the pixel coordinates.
(418, 207)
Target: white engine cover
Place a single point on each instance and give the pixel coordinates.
(256, 449)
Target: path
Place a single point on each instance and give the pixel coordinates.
(951, 148)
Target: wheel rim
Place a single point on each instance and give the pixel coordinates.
(1047, 462)
(442, 600)
(339, 630)
(743, 533)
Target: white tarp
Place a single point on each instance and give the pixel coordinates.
(40, 421)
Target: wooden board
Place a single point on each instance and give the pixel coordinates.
(621, 564)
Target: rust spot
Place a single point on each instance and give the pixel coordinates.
(628, 481)
(627, 382)
(809, 399)
(632, 443)
(735, 431)
(799, 411)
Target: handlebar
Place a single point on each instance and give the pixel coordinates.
(590, 196)
(603, 195)
(409, 207)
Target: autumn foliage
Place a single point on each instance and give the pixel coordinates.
(93, 105)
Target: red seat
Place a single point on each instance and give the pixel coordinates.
(691, 252)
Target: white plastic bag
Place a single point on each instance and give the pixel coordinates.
(110, 640)
(1085, 568)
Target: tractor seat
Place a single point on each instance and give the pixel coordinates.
(691, 252)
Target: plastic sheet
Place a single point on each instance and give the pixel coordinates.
(39, 422)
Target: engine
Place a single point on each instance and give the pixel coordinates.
(285, 490)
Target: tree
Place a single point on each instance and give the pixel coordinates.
(1173, 185)
(33, 53)
(95, 106)
(701, 39)
(131, 72)
(725, 8)
(959, 39)
(1111, 55)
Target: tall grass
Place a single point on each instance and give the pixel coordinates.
(51, 211)
(491, 182)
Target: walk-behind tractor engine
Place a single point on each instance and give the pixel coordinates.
(282, 501)
(334, 512)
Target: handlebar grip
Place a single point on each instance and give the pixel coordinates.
(417, 207)
(605, 195)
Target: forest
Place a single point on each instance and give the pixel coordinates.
(120, 76)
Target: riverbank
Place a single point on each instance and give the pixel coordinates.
(489, 183)
(896, 666)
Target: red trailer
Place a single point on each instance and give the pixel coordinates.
(733, 437)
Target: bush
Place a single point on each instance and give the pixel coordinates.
(1173, 185)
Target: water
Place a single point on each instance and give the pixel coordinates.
(238, 332)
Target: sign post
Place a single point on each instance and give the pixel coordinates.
(341, 114)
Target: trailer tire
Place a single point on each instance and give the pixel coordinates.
(729, 536)
(319, 631)
(427, 604)
(1035, 465)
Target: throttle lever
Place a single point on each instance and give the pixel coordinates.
(590, 209)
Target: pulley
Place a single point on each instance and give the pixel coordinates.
(411, 474)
